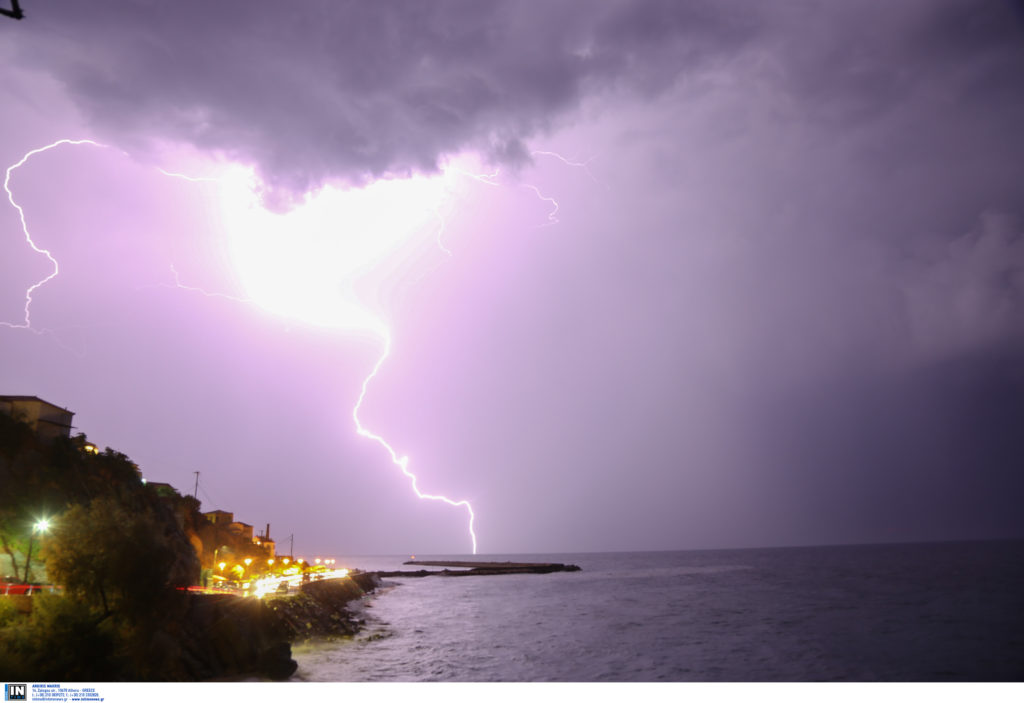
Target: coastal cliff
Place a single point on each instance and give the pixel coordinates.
(226, 637)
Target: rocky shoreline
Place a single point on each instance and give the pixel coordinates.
(227, 638)
(320, 609)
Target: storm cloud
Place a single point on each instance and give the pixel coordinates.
(783, 304)
(321, 90)
(355, 90)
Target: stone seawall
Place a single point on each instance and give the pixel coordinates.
(320, 608)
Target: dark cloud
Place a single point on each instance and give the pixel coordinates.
(317, 90)
(852, 63)
(320, 89)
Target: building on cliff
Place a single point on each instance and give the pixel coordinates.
(48, 420)
(236, 536)
(164, 490)
(263, 541)
(220, 518)
(242, 529)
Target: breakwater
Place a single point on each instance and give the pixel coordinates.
(477, 568)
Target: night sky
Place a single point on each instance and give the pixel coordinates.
(655, 275)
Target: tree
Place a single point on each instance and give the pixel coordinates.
(118, 561)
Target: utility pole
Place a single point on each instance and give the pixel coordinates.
(195, 493)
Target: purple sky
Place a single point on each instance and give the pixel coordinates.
(783, 302)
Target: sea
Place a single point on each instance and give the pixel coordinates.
(929, 612)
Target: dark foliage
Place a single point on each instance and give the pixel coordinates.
(117, 547)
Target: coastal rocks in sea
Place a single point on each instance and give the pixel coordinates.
(319, 609)
(276, 661)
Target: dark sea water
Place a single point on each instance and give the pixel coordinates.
(921, 612)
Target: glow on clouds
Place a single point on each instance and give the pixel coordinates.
(305, 264)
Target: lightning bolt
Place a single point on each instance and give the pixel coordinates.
(203, 291)
(403, 461)
(24, 228)
(491, 179)
(552, 219)
(190, 179)
(585, 165)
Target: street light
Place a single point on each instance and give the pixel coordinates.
(41, 525)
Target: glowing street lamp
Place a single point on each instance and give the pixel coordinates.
(42, 526)
(248, 560)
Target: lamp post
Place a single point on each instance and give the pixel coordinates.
(42, 526)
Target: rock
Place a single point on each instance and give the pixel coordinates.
(276, 662)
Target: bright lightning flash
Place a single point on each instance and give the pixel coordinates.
(315, 263)
(307, 264)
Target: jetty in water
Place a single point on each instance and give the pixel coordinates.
(477, 568)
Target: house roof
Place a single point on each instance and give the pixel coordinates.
(33, 397)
